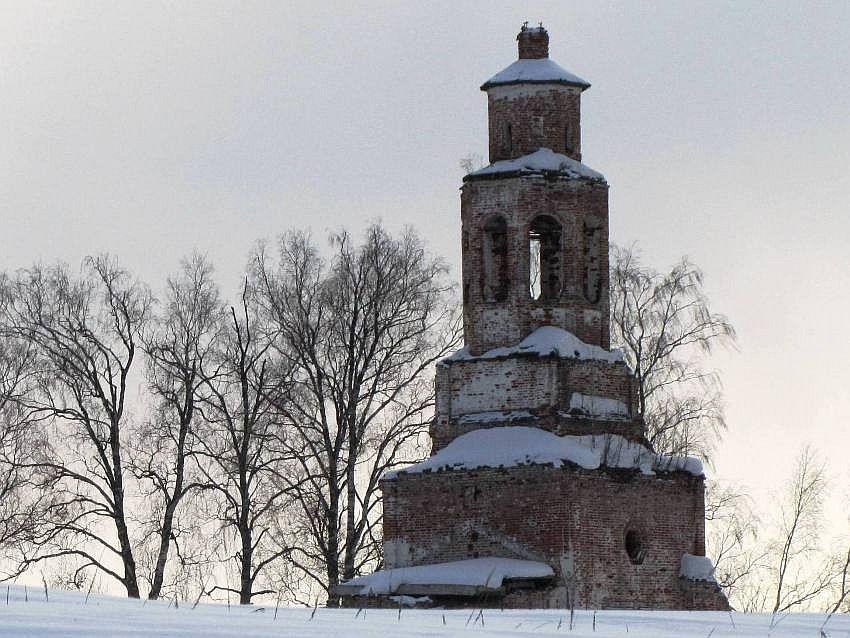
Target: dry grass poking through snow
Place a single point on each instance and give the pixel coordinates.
(68, 615)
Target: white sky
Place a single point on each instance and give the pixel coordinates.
(154, 129)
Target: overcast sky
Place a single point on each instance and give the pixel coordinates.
(154, 129)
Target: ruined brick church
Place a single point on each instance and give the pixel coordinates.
(541, 489)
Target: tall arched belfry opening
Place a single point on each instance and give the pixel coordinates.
(541, 489)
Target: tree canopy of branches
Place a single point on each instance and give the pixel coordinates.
(82, 333)
(242, 450)
(796, 550)
(732, 532)
(178, 346)
(663, 324)
(24, 495)
(360, 332)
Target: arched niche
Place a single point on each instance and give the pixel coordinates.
(592, 283)
(544, 258)
(495, 281)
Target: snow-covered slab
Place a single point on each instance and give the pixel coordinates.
(513, 446)
(547, 341)
(469, 576)
(536, 71)
(541, 161)
(697, 568)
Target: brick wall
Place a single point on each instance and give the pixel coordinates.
(540, 386)
(576, 205)
(575, 520)
(522, 118)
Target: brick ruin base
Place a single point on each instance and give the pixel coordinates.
(573, 519)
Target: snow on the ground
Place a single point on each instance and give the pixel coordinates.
(535, 70)
(66, 615)
(545, 341)
(541, 161)
(479, 572)
(511, 446)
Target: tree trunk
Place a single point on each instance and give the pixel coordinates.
(162, 556)
(245, 582)
(130, 580)
(332, 554)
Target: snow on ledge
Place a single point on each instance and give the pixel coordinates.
(513, 446)
(475, 572)
(543, 160)
(545, 341)
(537, 71)
(598, 406)
(697, 568)
(494, 417)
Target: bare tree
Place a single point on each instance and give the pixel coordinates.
(242, 449)
(178, 347)
(23, 502)
(83, 333)
(361, 333)
(664, 326)
(797, 568)
(732, 533)
(841, 595)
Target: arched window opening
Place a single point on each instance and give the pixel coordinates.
(592, 263)
(634, 547)
(568, 140)
(495, 259)
(544, 258)
(509, 140)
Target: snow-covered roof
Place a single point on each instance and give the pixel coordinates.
(546, 341)
(535, 71)
(541, 161)
(483, 573)
(513, 446)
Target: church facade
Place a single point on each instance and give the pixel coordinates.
(541, 489)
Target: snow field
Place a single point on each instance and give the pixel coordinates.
(67, 615)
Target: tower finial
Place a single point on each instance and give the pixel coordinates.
(533, 43)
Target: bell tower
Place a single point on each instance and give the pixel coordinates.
(540, 470)
(535, 221)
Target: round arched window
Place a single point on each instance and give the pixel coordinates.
(544, 258)
(634, 546)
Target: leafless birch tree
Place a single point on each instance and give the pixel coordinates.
(25, 497)
(361, 332)
(664, 325)
(798, 569)
(83, 332)
(242, 449)
(179, 346)
(732, 538)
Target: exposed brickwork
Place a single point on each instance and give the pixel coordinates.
(532, 42)
(542, 386)
(576, 205)
(573, 519)
(615, 538)
(525, 118)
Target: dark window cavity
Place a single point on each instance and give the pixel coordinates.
(634, 547)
